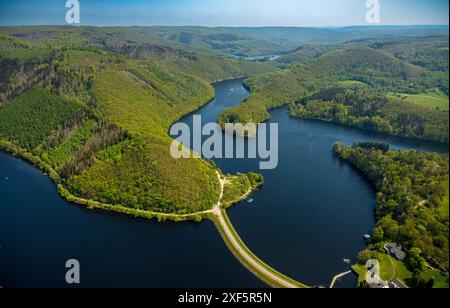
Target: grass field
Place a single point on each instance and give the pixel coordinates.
(392, 268)
(389, 267)
(80, 58)
(440, 281)
(351, 83)
(432, 99)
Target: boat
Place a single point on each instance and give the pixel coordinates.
(346, 261)
(249, 200)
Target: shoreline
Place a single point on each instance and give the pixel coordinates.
(221, 221)
(15, 151)
(217, 215)
(35, 161)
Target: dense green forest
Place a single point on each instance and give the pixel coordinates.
(248, 41)
(114, 92)
(31, 117)
(92, 107)
(95, 105)
(429, 52)
(371, 110)
(412, 202)
(62, 153)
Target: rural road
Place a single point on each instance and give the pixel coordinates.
(242, 250)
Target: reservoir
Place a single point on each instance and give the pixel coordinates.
(39, 232)
(311, 213)
(313, 209)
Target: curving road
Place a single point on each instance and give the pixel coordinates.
(263, 272)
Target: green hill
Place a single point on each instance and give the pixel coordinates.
(97, 112)
(429, 51)
(410, 188)
(257, 41)
(94, 104)
(380, 72)
(32, 116)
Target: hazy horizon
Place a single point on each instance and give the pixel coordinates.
(231, 27)
(230, 13)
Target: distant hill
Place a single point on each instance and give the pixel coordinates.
(249, 41)
(238, 41)
(430, 52)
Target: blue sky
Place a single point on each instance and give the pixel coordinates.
(308, 13)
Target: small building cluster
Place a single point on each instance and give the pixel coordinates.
(397, 284)
(378, 283)
(395, 250)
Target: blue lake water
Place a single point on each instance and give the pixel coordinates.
(312, 211)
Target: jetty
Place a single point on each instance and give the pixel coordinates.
(337, 277)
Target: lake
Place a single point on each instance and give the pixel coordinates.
(312, 211)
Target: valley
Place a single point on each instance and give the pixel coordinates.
(92, 107)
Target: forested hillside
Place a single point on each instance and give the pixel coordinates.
(371, 110)
(34, 115)
(94, 105)
(430, 52)
(412, 201)
(329, 88)
(254, 41)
